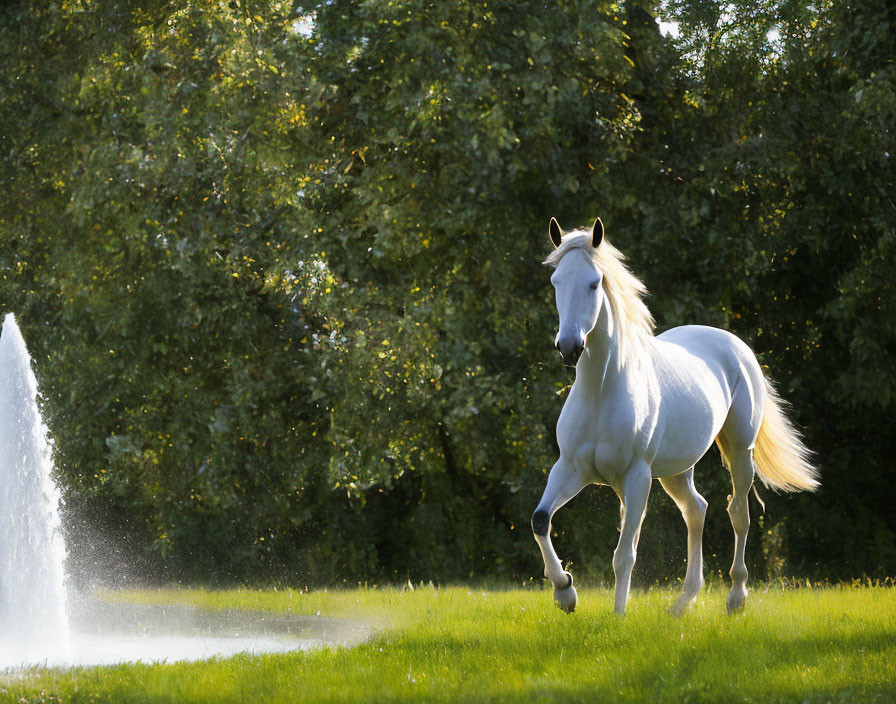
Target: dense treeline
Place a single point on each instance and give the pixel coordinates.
(278, 265)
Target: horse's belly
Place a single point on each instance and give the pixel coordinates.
(670, 463)
(691, 416)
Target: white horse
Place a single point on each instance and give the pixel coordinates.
(645, 407)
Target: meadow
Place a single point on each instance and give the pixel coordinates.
(461, 644)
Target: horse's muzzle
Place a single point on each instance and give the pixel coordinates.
(570, 351)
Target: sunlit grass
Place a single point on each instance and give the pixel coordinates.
(461, 644)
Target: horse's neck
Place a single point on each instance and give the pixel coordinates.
(600, 361)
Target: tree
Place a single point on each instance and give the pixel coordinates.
(279, 265)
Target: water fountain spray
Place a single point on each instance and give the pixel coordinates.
(33, 619)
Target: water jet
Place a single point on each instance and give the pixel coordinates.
(33, 616)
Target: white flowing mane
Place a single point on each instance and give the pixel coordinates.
(624, 291)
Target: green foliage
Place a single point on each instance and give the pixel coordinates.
(278, 266)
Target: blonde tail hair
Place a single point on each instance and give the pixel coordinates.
(782, 460)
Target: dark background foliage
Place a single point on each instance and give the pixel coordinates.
(278, 267)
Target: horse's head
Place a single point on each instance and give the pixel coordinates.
(577, 286)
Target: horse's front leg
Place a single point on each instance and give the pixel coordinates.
(564, 482)
(635, 489)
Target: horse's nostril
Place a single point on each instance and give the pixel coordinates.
(570, 349)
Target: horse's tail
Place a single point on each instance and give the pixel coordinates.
(782, 460)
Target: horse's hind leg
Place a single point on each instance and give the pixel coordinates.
(564, 482)
(740, 460)
(736, 442)
(693, 509)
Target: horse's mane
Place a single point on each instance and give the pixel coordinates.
(623, 290)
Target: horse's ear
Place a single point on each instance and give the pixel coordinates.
(597, 233)
(556, 232)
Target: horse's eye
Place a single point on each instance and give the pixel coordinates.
(593, 285)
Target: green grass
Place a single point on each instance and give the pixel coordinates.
(833, 644)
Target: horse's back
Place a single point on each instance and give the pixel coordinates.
(726, 354)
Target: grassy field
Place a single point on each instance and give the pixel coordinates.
(833, 644)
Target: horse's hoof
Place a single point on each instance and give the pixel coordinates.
(566, 598)
(681, 605)
(677, 609)
(736, 601)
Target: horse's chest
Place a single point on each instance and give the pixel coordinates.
(602, 438)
